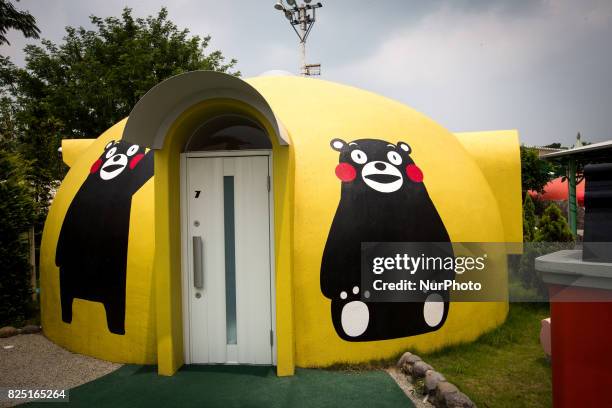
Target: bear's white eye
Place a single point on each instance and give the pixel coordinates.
(359, 157)
(111, 152)
(394, 158)
(132, 150)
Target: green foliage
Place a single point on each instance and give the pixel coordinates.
(553, 227)
(523, 266)
(542, 236)
(551, 234)
(95, 77)
(540, 206)
(529, 219)
(7, 122)
(17, 212)
(535, 173)
(90, 81)
(11, 18)
(529, 277)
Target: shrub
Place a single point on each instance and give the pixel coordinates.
(552, 234)
(540, 205)
(552, 227)
(529, 219)
(17, 211)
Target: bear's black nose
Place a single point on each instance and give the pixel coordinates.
(116, 158)
(380, 166)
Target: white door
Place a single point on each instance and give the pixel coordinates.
(228, 257)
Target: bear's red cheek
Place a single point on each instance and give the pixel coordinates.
(96, 166)
(135, 160)
(346, 172)
(414, 173)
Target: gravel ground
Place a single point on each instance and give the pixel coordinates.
(407, 387)
(36, 362)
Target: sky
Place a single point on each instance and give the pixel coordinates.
(543, 67)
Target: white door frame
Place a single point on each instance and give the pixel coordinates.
(186, 301)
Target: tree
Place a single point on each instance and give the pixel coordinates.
(7, 113)
(95, 77)
(553, 227)
(81, 87)
(17, 205)
(11, 18)
(17, 214)
(529, 219)
(535, 173)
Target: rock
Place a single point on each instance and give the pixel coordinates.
(408, 362)
(403, 358)
(420, 368)
(30, 329)
(459, 400)
(413, 358)
(432, 378)
(8, 331)
(443, 391)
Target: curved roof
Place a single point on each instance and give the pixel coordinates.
(157, 110)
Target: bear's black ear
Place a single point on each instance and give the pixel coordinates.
(337, 144)
(404, 147)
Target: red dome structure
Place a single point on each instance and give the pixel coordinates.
(557, 190)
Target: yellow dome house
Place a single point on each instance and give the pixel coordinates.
(222, 222)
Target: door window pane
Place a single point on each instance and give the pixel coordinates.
(229, 132)
(230, 260)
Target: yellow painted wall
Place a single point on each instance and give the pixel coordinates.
(454, 180)
(73, 148)
(497, 153)
(460, 180)
(88, 333)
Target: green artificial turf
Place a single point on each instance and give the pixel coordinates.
(237, 386)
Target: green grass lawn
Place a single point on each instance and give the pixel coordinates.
(503, 368)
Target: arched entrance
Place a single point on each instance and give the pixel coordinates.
(168, 119)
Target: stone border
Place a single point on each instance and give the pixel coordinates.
(437, 391)
(10, 331)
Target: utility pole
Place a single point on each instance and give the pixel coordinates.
(302, 17)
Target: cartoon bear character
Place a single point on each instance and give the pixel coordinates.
(383, 199)
(93, 242)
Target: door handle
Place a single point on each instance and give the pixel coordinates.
(198, 263)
